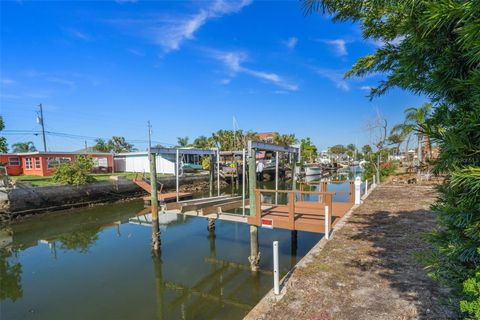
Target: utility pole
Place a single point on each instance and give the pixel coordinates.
(41, 122)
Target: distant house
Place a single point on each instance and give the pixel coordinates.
(138, 162)
(266, 136)
(44, 163)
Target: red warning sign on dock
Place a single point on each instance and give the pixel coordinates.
(267, 223)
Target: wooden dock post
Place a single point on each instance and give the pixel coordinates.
(211, 224)
(254, 257)
(154, 204)
(212, 174)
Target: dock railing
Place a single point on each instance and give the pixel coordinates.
(323, 187)
(291, 204)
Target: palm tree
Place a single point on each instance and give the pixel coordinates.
(182, 142)
(415, 121)
(285, 139)
(201, 142)
(24, 147)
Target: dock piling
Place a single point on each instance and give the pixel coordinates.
(276, 274)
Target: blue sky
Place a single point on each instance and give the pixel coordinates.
(105, 68)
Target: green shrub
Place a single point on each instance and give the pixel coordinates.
(386, 168)
(75, 172)
(471, 291)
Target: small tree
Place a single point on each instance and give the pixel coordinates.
(3, 140)
(23, 147)
(75, 172)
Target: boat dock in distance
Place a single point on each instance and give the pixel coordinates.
(298, 213)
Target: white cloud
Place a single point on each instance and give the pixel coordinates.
(225, 81)
(233, 61)
(169, 32)
(366, 88)
(291, 42)
(381, 43)
(336, 76)
(339, 46)
(79, 35)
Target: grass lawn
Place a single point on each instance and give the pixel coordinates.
(37, 181)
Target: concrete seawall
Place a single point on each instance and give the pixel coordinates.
(26, 201)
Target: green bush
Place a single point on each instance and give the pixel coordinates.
(386, 168)
(471, 291)
(75, 172)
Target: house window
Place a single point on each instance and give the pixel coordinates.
(37, 163)
(52, 162)
(14, 161)
(28, 163)
(100, 162)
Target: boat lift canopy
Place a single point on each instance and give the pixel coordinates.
(253, 147)
(178, 151)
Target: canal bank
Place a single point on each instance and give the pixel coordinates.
(22, 202)
(367, 271)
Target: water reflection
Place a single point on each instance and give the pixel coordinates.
(98, 262)
(10, 276)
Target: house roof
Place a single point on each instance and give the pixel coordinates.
(53, 152)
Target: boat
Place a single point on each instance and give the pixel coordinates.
(313, 170)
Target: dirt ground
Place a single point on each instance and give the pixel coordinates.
(368, 271)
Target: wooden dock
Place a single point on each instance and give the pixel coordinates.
(299, 215)
(308, 216)
(162, 197)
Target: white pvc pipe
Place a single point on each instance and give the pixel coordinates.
(243, 181)
(366, 186)
(276, 177)
(276, 274)
(327, 223)
(358, 182)
(177, 173)
(218, 172)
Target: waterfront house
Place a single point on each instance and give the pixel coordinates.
(43, 163)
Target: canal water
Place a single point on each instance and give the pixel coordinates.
(96, 263)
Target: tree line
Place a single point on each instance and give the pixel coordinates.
(432, 48)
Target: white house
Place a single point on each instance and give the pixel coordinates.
(138, 162)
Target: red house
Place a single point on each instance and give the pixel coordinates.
(44, 163)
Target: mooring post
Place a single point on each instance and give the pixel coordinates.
(276, 273)
(358, 182)
(254, 257)
(327, 223)
(244, 180)
(218, 172)
(366, 186)
(212, 173)
(293, 247)
(374, 182)
(211, 224)
(177, 172)
(276, 176)
(154, 204)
